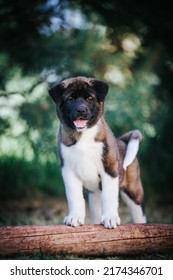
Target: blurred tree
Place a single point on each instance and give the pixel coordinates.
(154, 21)
(20, 30)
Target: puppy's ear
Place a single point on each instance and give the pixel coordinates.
(101, 89)
(56, 93)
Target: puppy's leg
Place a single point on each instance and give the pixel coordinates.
(74, 193)
(135, 210)
(110, 201)
(132, 139)
(95, 206)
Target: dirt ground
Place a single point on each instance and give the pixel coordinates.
(51, 210)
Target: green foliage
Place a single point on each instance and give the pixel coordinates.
(20, 25)
(20, 178)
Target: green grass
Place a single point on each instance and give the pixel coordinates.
(22, 178)
(42, 256)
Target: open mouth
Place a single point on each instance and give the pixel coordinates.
(80, 123)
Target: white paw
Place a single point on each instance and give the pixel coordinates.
(111, 222)
(73, 221)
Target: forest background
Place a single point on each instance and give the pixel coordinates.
(126, 43)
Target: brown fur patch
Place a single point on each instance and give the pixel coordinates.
(69, 136)
(77, 81)
(110, 152)
(131, 183)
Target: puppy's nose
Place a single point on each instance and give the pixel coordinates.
(82, 110)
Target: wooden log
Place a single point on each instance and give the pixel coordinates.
(93, 240)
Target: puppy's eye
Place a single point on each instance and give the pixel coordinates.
(71, 98)
(90, 98)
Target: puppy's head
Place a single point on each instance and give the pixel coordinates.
(79, 101)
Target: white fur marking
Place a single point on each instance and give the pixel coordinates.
(74, 193)
(84, 159)
(131, 152)
(134, 209)
(110, 191)
(95, 206)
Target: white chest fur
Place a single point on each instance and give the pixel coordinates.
(84, 158)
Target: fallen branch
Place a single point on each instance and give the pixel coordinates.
(87, 240)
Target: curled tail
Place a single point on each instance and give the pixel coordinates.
(132, 139)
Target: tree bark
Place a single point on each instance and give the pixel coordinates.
(91, 240)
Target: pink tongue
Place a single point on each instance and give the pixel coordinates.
(80, 123)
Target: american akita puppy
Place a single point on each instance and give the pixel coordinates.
(91, 157)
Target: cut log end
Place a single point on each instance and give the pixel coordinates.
(90, 240)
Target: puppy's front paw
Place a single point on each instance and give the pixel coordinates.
(111, 222)
(73, 221)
